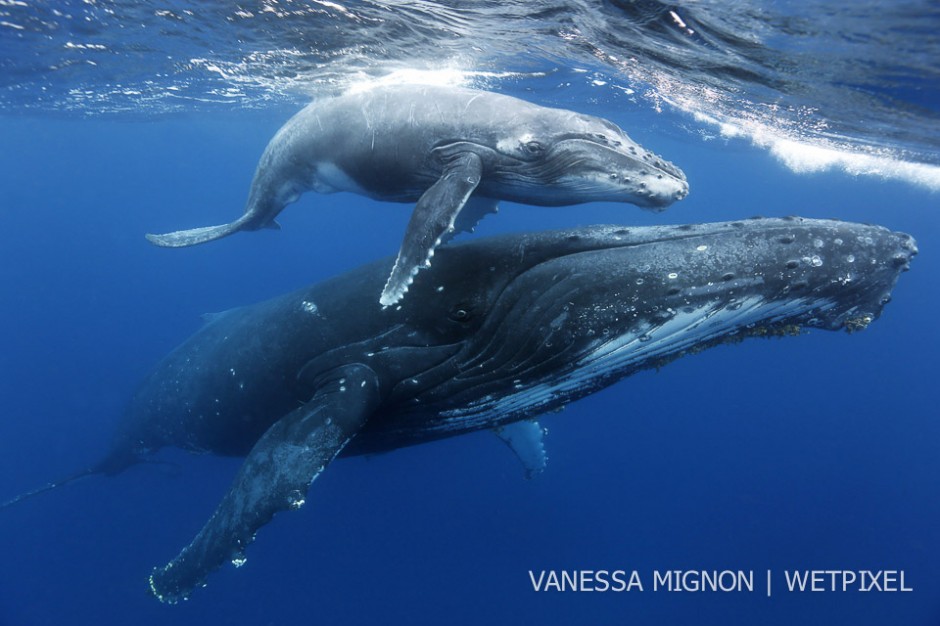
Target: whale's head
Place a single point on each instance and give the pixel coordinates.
(554, 316)
(558, 157)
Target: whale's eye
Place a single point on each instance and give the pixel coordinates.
(533, 148)
(461, 313)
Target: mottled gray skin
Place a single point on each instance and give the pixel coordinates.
(440, 147)
(497, 331)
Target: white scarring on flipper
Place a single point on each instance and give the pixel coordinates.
(433, 221)
(525, 439)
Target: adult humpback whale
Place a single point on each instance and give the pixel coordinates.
(497, 332)
(454, 151)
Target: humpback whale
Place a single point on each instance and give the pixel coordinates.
(497, 332)
(456, 152)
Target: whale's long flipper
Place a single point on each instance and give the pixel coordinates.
(274, 477)
(432, 220)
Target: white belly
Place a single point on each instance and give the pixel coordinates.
(328, 178)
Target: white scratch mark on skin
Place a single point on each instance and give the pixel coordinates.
(470, 101)
(319, 123)
(373, 140)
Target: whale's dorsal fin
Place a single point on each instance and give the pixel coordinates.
(214, 316)
(275, 476)
(432, 220)
(525, 439)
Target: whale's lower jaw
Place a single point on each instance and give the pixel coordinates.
(607, 360)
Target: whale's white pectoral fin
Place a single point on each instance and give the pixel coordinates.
(433, 219)
(275, 476)
(525, 439)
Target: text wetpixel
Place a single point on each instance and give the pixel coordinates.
(847, 580)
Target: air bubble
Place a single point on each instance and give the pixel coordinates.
(295, 500)
(850, 258)
(815, 261)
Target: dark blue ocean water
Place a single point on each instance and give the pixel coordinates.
(814, 452)
(811, 452)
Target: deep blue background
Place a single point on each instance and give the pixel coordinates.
(814, 452)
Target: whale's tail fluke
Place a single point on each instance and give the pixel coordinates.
(48, 487)
(113, 464)
(183, 238)
(193, 236)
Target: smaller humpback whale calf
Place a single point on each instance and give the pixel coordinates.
(496, 333)
(456, 152)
